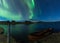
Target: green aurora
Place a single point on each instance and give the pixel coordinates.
(6, 13)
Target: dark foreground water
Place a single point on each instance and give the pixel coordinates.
(21, 28)
(20, 31)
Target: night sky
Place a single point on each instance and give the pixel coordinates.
(37, 10)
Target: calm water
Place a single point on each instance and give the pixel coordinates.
(19, 28)
(35, 27)
(21, 31)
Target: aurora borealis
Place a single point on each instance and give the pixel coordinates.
(20, 10)
(17, 9)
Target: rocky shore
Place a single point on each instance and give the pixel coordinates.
(53, 38)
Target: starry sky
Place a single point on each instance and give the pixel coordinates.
(38, 10)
